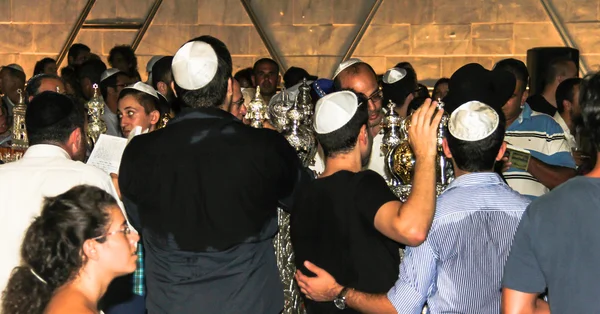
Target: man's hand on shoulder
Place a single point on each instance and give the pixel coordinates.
(320, 288)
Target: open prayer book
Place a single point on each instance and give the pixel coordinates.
(108, 151)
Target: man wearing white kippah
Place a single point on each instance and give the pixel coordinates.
(359, 77)
(208, 217)
(458, 269)
(348, 221)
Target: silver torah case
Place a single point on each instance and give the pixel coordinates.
(400, 160)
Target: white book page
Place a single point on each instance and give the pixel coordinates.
(107, 153)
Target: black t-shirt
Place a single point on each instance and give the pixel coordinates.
(332, 226)
(540, 104)
(557, 246)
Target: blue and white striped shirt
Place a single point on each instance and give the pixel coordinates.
(545, 139)
(458, 269)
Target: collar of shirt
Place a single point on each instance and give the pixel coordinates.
(8, 101)
(475, 178)
(201, 113)
(45, 150)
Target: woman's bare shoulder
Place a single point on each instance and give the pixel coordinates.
(69, 301)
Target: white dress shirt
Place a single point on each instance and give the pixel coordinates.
(570, 138)
(44, 170)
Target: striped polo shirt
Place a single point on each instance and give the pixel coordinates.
(545, 139)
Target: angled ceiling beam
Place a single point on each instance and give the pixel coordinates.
(564, 34)
(263, 35)
(75, 31)
(362, 30)
(149, 18)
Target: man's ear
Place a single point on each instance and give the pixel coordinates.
(567, 105)
(446, 148)
(173, 88)
(501, 152)
(524, 97)
(154, 117)
(363, 135)
(253, 80)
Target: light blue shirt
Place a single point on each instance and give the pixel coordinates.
(458, 269)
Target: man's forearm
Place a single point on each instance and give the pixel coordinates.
(416, 215)
(550, 176)
(369, 303)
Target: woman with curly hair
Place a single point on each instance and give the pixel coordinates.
(70, 254)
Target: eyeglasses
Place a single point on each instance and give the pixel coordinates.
(376, 96)
(126, 231)
(239, 102)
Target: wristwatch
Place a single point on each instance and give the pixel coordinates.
(340, 300)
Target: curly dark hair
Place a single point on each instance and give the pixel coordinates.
(52, 247)
(128, 54)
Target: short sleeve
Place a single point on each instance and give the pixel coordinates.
(371, 193)
(557, 151)
(522, 271)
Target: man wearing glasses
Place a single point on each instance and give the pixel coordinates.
(359, 77)
(237, 109)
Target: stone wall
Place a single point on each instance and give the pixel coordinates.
(435, 36)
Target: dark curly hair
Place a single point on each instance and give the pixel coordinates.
(52, 247)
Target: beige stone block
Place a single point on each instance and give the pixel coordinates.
(312, 40)
(492, 39)
(377, 63)
(440, 39)
(91, 38)
(228, 12)
(103, 10)
(56, 11)
(327, 66)
(586, 36)
(164, 39)
(110, 39)
(15, 38)
(256, 45)
(461, 12)
(8, 58)
(405, 12)
(271, 12)
(5, 12)
(134, 9)
(235, 37)
(592, 61)
(530, 35)
(49, 38)
(451, 64)
(514, 11)
(241, 62)
(578, 10)
(177, 12)
(312, 12)
(385, 40)
(352, 11)
(427, 68)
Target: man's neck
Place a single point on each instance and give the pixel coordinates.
(568, 121)
(595, 173)
(267, 98)
(350, 162)
(549, 95)
(112, 107)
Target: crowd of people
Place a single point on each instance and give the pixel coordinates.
(187, 224)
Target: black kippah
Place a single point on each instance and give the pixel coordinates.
(47, 109)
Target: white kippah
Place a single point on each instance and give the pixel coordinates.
(334, 110)
(344, 65)
(143, 87)
(194, 65)
(108, 73)
(15, 66)
(473, 121)
(393, 75)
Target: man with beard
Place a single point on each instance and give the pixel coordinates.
(238, 108)
(348, 221)
(50, 166)
(360, 78)
(266, 75)
(568, 111)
